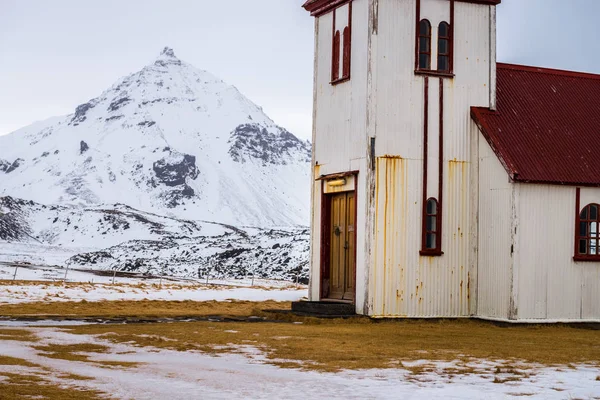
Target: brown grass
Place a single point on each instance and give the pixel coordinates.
(81, 352)
(20, 335)
(23, 386)
(335, 345)
(144, 309)
(5, 360)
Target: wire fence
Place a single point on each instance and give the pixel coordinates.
(114, 276)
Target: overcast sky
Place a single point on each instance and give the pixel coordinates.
(55, 55)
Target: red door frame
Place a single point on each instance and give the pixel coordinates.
(326, 230)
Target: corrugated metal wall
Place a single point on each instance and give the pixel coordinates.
(402, 282)
(495, 242)
(549, 284)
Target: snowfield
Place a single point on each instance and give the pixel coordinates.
(185, 375)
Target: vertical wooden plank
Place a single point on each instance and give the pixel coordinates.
(350, 247)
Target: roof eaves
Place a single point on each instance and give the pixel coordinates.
(548, 71)
(477, 114)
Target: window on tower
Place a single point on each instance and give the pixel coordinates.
(432, 239)
(342, 44)
(443, 61)
(424, 45)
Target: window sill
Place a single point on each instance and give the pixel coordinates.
(587, 258)
(341, 80)
(431, 253)
(429, 72)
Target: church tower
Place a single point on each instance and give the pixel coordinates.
(394, 228)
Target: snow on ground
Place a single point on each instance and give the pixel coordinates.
(99, 288)
(185, 375)
(12, 294)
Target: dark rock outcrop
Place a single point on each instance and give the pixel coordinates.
(9, 167)
(81, 112)
(255, 141)
(174, 170)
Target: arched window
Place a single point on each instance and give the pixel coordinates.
(443, 61)
(424, 45)
(346, 53)
(431, 225)
(335, 65)
(589, 234)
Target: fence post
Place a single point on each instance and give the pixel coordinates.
(15, 275)
(114, 275)
(66, 272)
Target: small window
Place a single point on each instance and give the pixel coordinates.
(588, 236)
(432, 239)
(342, 44)
(443, 64)
(346, 53)
(335, 64)
(424, 45)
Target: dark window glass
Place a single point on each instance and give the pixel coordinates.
(584, 213)
(424, 28)
(424, 61)
(431, 224)
(593, 212)
(431, 241)
(431, 206)
(443, 46)
(583, 228)
(443, 63)
(424, 45)
(583, 247)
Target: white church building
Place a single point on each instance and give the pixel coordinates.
(447, 184)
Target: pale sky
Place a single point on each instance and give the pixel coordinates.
(55, 55)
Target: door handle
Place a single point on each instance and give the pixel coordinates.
(346, 247)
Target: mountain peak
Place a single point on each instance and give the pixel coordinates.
(167, 57)
(168, 52)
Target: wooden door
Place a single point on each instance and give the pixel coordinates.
(342, 260)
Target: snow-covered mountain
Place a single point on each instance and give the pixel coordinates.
(125, 239)
(169, 139)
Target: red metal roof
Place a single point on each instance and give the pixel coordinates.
(546, 128)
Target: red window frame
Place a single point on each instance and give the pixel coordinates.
(444, 55)
(341, 48)
(424, 51)
(587, 244)
(335, 57)
(432, 233)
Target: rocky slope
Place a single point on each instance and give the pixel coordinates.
(125, 239)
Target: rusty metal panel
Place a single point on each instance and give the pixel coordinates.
(404, 284)
(495, 241)
(551, 286)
